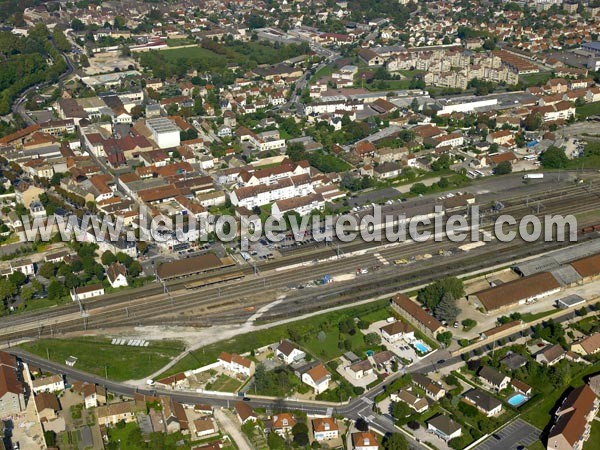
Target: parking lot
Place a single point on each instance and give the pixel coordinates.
(518, 434)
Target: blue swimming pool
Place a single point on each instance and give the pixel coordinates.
(517, 400)
(421, 347)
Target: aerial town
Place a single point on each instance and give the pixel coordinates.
(147, 150)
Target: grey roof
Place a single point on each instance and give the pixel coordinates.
(513, 361)
(566, 275)
(592, 45)
(571, 300)
(557, 258)
(482, 399)
(444, 424)
(491, 375)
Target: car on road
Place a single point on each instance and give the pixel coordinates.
(246, 399)
(497, 437)
(441, 361)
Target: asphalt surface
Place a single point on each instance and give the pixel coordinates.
(516, 434)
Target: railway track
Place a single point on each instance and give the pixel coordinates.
(223, 304)
(514, 206)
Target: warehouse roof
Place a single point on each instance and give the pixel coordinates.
(587, 267)
(515, 291)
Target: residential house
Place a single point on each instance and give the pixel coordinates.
(418, 404)
(520, 387)
(117, 275)
(589, 345)
(237, 364)
(484, 402)
(12, 389)
(205, 426)
(245, 413)
(444, 427)
(364, 440)
(288, 352)
(116, 412)
(432, 389)
(492, 378)
(54, 383)
(281, 424)
(396, 331)
(360, 369)
(47, 406)
(317, 378)
(550, 355)
(325, 428)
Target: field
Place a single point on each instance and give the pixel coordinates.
(589, 109)
(539, 409)
(193, 54)
(225, 384)
(305, 329)
(100, 357)
(590, 159)
(594, 439)
(535, 79)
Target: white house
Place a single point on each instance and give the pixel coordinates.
(396, 331)
(300, 205)
(25, 266)
(493, 379)
(85, 292)
(54, 383)
(484, 402)
(325, 428)
(236, 363)
(360, 369)
(364, 440)
(288, 352)
(117, 275)
(317, 378)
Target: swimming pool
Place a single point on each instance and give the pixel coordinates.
(517, 400)
(421, 347)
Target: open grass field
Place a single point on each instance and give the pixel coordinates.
(192, 54)
(589, 109)
(100, 357)
(594, 440)
(535, 79)
(539, 409)
(225, 384)
(307, 329)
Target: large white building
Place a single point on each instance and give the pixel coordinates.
(164, 132)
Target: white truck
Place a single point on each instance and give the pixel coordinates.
(533, 176)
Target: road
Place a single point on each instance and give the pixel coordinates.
(18, 106)
(354, 409)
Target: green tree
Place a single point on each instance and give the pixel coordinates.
(443, 183)
(60, 40)
(418, 189)
(503, 168)
(445, 338)
(7, 289)
(533, 121)
(108, 258)
(432, 294)
(56, 290)
(27, 293)
(17, 278)
(77, 25)
(274, 441)
(372, 339)
(400, 410)
(446, 308)
(395, 441)
(554, 158)
(47, 270)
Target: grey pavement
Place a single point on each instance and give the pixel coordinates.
(515, 434)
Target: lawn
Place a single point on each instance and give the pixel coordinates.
(224, 384)
(530, 317)
(589, 109)
(387, 85)
(539, 409)
(535, 79)
(594, 439)
(590, 159)
(306, 329)
(100, 357)
(192, 54)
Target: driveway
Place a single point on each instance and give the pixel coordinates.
(230, 425)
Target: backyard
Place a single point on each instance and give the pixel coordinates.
(100, 357)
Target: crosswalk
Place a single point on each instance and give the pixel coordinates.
(381, 259)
